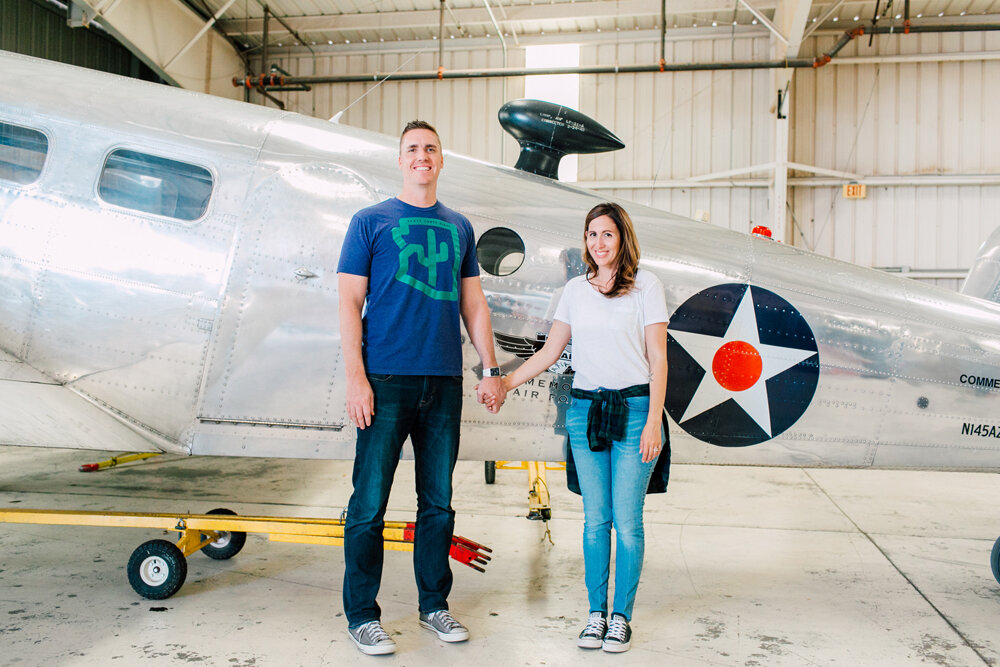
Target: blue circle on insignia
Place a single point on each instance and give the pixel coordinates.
(743, 365)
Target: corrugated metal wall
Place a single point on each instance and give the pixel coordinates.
(463, 111)
(683, 124)
(37, 28)
(901, 119)
(888, 119)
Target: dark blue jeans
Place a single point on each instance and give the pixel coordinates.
(428, 409)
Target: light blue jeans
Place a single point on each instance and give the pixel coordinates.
(613, 484)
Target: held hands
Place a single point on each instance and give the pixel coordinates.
(491, 392)
(650, 442)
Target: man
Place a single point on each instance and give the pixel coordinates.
(414, 260)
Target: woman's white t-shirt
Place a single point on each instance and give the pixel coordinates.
(609, 335)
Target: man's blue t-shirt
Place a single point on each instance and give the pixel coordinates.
(415, 259)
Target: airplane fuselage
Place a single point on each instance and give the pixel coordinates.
(126, 323)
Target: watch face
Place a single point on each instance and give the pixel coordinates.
(491, 372)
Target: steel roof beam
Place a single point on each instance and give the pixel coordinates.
(428, 19)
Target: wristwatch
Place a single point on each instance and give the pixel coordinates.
(492, 372)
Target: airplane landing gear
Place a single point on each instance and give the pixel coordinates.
(995, 560)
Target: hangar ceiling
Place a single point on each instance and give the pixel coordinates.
(335, 24)
(200, 44)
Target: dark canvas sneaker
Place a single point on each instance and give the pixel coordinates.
(619, 635)
(371, 639)
(444, 625)
(593, 634)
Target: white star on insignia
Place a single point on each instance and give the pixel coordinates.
(752, 400)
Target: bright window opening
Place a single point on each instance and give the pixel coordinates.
(22, 153)
(156, 185)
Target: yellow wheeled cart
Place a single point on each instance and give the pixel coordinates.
(157, 568)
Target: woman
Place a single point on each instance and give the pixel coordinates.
(616, 314)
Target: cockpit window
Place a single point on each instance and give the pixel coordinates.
(500, 251)
(22, 153)
(155, 185)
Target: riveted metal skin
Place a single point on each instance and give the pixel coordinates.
(133, 331)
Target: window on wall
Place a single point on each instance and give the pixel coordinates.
(156, 185)
(22, 153)
(561, 89)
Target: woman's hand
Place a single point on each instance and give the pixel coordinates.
(650, 442)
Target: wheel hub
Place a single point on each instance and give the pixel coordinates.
(154, 571)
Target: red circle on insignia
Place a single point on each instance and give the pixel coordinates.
(737, 366)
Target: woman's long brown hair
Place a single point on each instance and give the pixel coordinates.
(627, 259)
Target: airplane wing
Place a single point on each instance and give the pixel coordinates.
(38, 409)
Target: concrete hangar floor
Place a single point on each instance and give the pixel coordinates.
(744, 566)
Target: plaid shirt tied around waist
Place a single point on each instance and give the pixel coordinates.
(608, 413)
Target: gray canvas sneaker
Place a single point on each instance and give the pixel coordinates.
(444, 625)
(372, 639)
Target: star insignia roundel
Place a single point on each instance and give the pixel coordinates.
(743, 365)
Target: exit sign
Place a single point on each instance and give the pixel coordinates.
(854, 191)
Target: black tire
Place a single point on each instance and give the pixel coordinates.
(229, 543)
(995, 560)
(157, 569)
(491, 472)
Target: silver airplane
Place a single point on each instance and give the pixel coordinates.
(167, 283)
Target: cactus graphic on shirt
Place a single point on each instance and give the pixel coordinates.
(428, 246)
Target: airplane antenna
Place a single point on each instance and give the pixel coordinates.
(336, 117)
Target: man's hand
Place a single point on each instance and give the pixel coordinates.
(490, 392)
(360, 402)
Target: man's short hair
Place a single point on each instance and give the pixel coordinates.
(418, 125)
